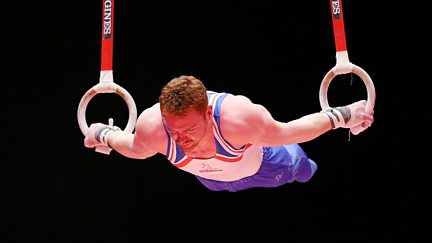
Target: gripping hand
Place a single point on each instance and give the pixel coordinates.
(97, 136)
(352, 116)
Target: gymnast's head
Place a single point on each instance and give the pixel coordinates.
(184, 108)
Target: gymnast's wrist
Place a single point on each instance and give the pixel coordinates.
(338, 116)
(103, 134)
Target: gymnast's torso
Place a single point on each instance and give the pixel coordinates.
(228, 163)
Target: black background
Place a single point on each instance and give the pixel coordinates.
(367, 187)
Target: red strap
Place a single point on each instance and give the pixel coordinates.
(107, 34)
(338, 25)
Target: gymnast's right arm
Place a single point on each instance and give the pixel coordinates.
(133, 145)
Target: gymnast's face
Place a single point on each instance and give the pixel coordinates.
(189, 130)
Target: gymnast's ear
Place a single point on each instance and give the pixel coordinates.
(209, 111)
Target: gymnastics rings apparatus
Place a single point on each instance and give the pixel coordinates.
(343, 66)
(106, 81)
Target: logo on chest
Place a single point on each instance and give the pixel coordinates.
(205, 167)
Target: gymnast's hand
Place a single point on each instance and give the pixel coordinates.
(97, 135)
(359, 116)
(351, 116)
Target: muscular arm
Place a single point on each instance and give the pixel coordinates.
(246, 122)
(129, 145)
(299, 130)
(149, 137)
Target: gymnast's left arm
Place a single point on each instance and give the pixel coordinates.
(255, 124)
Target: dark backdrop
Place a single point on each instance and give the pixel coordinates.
(55, 190)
